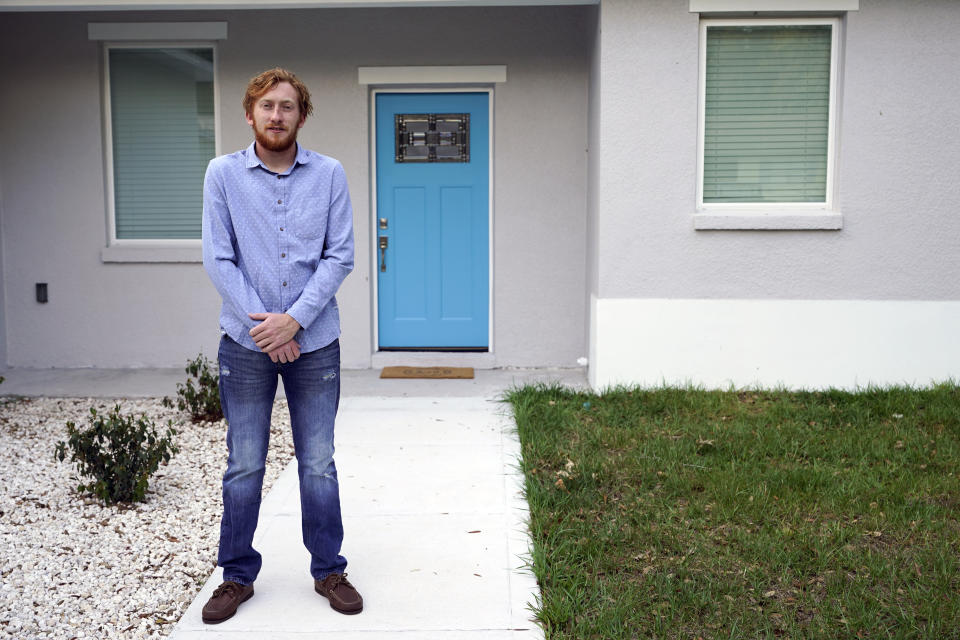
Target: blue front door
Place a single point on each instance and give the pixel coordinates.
(432, 226)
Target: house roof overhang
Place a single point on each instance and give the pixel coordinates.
(162, 5)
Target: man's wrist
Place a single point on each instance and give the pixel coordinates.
(297, 323)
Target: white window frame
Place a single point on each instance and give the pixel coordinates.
(770, 215)
(151, 35)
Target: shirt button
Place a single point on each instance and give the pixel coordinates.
(281, 228)
(284, 283)
(283, 255)
(279, 201)
(278, 177)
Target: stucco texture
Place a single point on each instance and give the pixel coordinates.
(896, 181)
(54, 218)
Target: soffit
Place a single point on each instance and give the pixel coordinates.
(151, 5)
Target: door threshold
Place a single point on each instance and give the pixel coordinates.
(484, 360)
(436, 349)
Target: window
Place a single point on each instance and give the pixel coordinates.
(161, 135)
(767, 116)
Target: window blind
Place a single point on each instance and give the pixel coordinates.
(766, 113)
(161, 105)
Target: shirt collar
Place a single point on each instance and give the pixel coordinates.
(253, 161)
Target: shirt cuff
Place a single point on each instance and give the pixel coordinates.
(301, 313)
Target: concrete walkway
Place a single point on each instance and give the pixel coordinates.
(434, 516)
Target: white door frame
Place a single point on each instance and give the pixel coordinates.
(372, 240)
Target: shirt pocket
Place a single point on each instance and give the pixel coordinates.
(310, 219)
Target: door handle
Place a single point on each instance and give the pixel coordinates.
(383, 241)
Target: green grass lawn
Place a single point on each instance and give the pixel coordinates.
(683, 513)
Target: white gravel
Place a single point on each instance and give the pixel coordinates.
(73, 568)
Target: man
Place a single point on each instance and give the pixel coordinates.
(277, 244)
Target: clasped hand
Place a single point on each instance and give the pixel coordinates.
(274, 336)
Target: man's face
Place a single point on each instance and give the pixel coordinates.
(276, 118)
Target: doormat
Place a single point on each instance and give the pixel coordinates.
(427, 372)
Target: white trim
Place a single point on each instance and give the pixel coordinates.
(770, 215)
(476, 359)
(374, 250)
(108, 150)
(374, 227)
(486, 74)
(157, 31)
(710, 6)
(490, 213)
(768, 220)
(593, 340)
(769, 343)
(147, 250)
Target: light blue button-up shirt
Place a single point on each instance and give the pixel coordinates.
(278, 242)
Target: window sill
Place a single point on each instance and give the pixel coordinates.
(121, 253)
(770, 220)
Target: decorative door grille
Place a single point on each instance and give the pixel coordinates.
(432, 137)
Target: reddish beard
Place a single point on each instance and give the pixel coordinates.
(271, 143)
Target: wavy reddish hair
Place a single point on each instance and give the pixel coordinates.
(267, 80)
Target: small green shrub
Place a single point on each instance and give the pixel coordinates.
(203, 400)
(118, 452)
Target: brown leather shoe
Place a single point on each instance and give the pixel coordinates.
(342, 595)
(225, 600)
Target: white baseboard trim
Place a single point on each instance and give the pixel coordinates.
(797, 344)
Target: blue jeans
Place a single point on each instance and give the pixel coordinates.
(248, 385)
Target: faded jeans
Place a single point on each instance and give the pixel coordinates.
(248, 385)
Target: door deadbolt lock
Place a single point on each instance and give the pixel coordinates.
(383, 241)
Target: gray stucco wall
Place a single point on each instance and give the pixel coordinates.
(594, 153)
(55, 222)
(107, 315)
(3, 304)
(899, 149)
